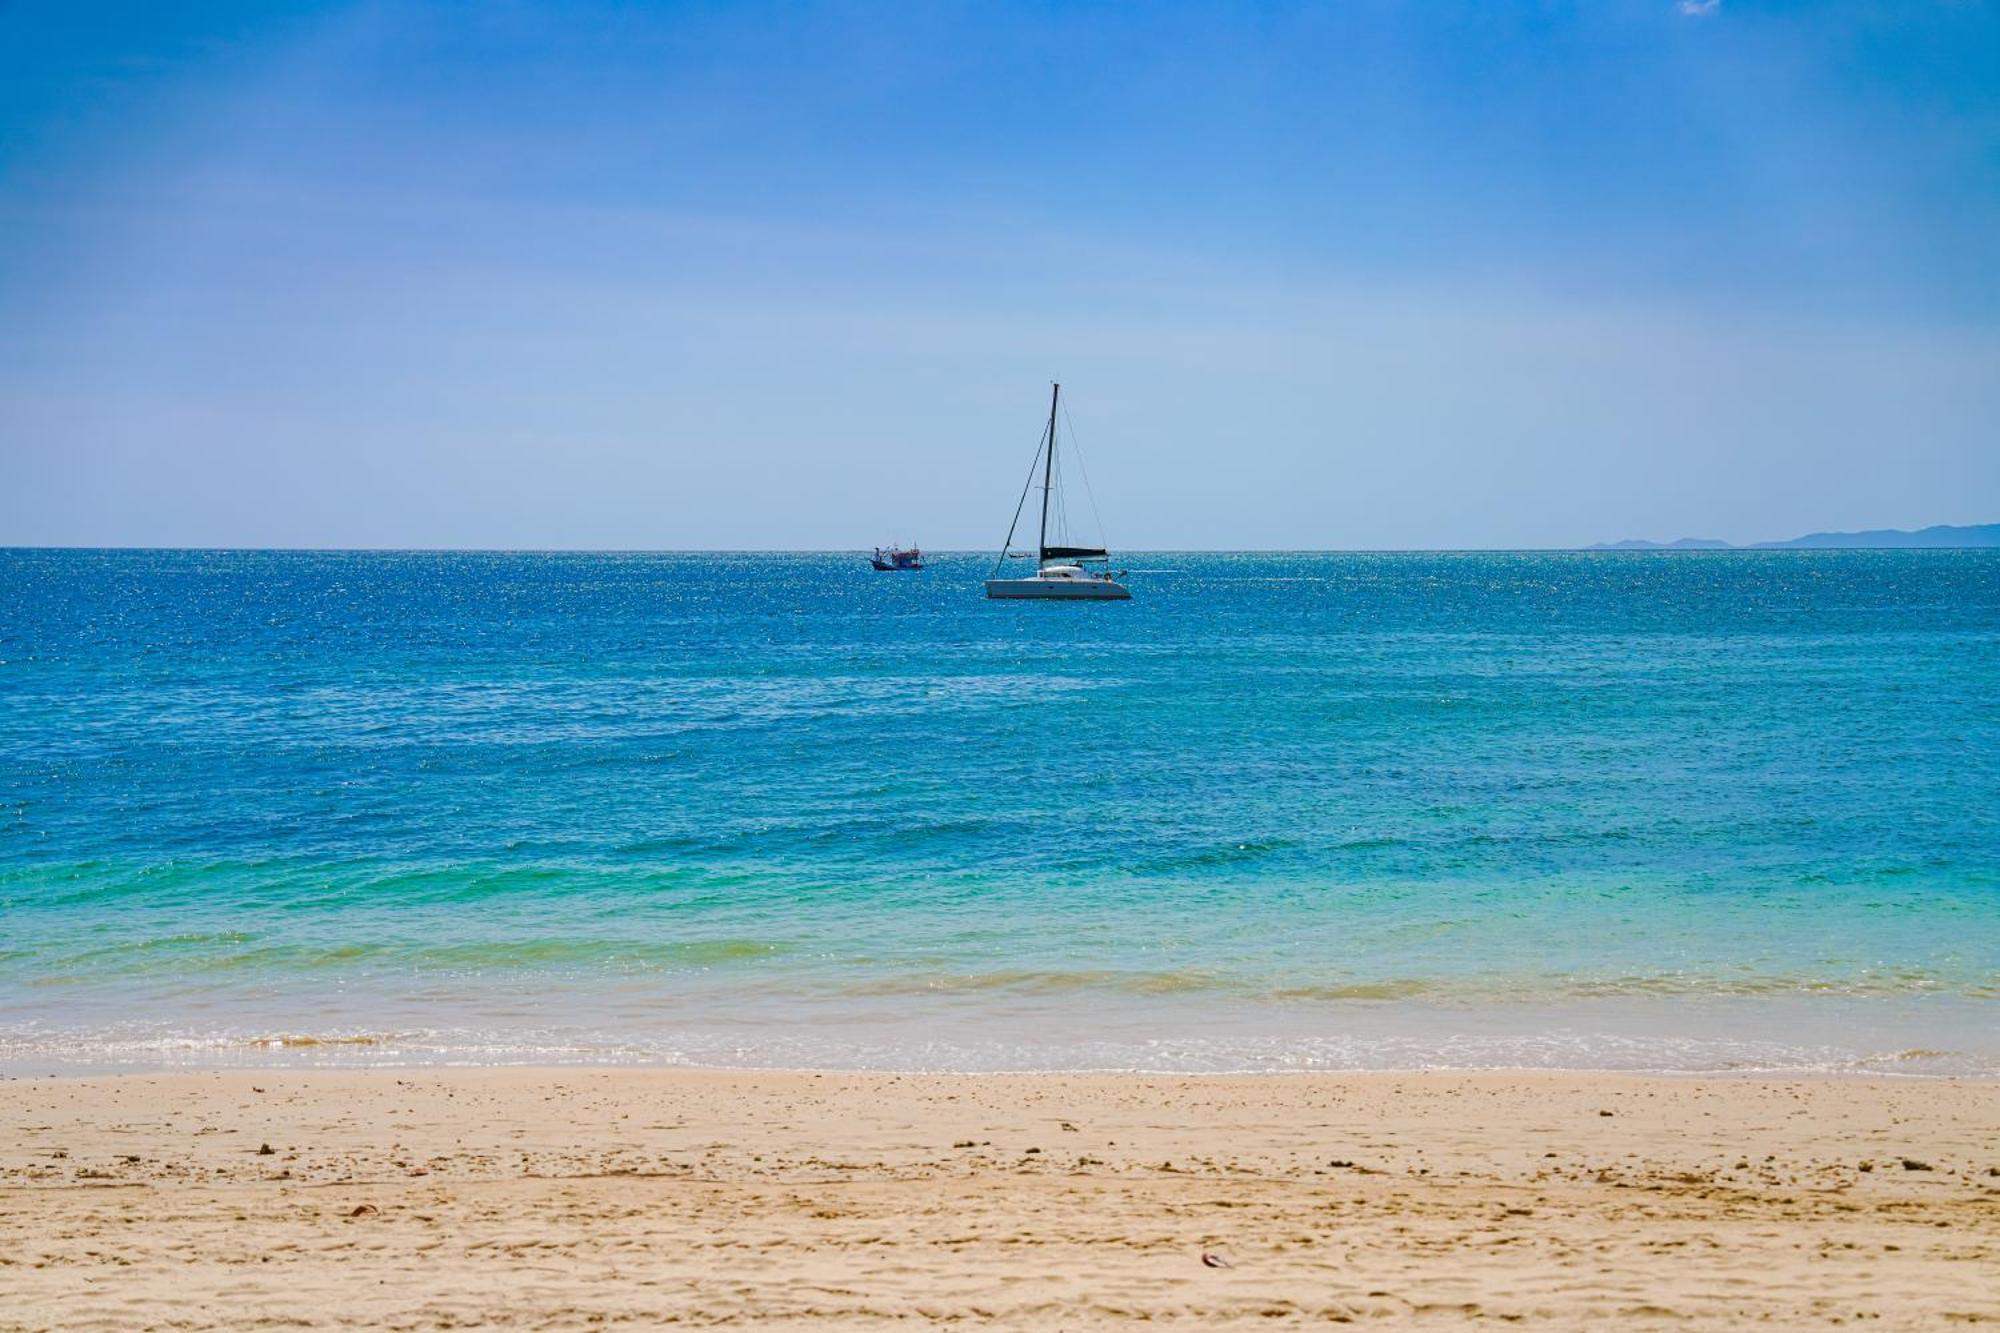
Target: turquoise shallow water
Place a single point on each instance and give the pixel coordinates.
(1701, 811)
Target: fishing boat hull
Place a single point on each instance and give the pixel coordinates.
(1065, 590)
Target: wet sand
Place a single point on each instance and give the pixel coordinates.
(582, 1198)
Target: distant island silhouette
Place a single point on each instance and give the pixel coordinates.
(1942, 535)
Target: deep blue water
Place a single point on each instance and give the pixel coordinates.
(1638, 810)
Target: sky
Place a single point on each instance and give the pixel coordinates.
(1337, 275)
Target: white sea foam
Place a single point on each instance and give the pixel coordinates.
(1818, 1037)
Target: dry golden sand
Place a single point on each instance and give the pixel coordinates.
(450, 1198)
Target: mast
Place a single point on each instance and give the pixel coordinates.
(1048, 475)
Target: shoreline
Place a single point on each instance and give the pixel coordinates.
(565, 1195)
(1929, 1036)
(570, 1067)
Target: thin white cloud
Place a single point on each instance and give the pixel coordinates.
(1698, 7)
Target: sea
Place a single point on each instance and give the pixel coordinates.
(1702, 812)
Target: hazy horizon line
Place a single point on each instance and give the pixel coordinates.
(1592, 549)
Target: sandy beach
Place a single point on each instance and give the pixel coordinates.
(569, 1198)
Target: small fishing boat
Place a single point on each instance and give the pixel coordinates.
(892, 558)
(1060, 571)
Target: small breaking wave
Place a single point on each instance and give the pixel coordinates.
(972, 1051)
(1359, 990)
(1039, 982)
(1481, 990)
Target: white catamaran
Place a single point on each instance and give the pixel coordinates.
(1059, 571)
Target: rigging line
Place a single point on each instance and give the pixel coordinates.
(1089, 492)
(1062, 512)
(1022, 503)
(1062, 498)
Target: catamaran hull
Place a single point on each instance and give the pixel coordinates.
(1066, 590)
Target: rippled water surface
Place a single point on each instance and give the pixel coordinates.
(1714, 810)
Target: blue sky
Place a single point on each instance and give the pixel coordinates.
(729, 275)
